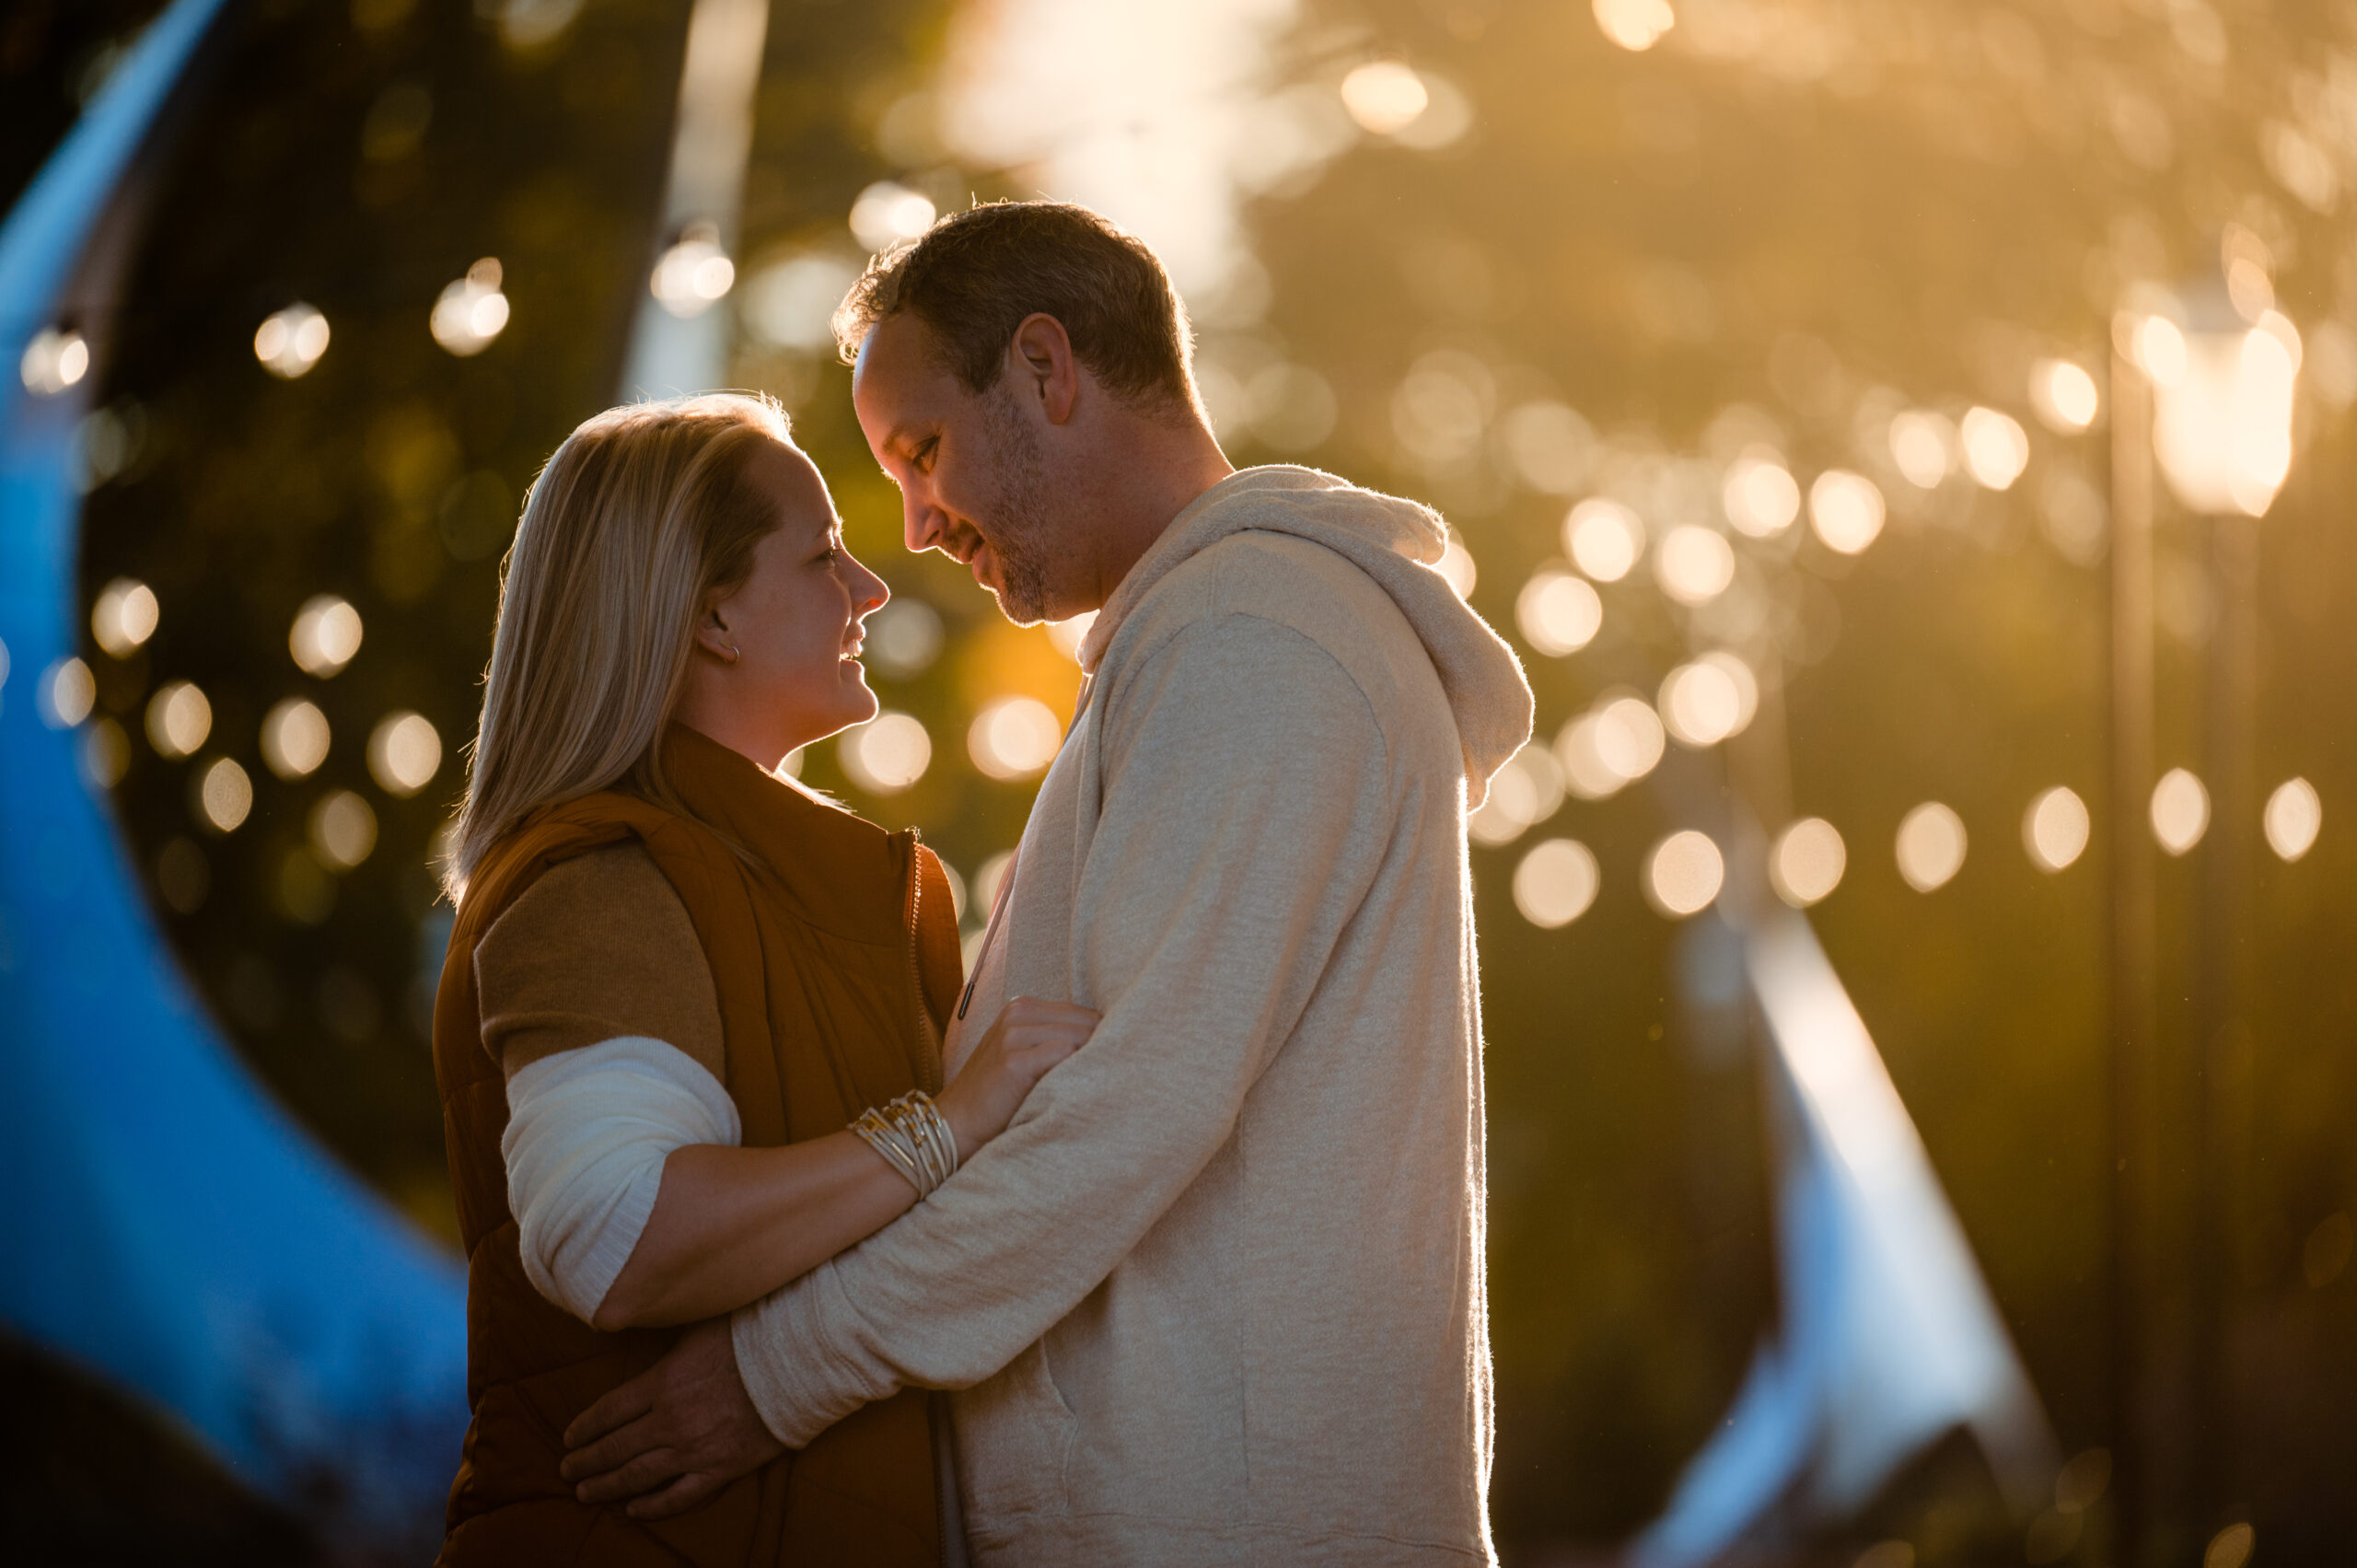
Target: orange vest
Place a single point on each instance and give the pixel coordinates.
(834, 952)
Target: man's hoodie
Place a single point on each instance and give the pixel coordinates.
(1216, 1296)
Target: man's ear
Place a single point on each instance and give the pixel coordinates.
(1041, 355)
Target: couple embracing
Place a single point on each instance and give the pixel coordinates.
(1157, 1239)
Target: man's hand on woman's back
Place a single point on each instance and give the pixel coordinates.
(673, 1435)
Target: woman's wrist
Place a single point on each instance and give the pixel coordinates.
(914, 1138)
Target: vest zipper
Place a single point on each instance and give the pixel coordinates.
(928, 1054)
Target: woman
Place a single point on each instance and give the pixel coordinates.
(676, 980)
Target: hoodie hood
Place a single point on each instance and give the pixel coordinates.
(1396, 542)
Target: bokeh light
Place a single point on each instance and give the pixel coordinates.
(1805, 863)
(1290, 407)
(223, 796)
(1553, 448)
(1930, 846)
(2294, 816)
(290, 340)
(471, 312)
(1456, 565)
(2055, 828)
(404, 753)
(887, 212)
(1760, 497)
(1707, 700)
(1555, 882)
(529, 24)
(1557, 613)
(1922, 447)
(904, 638)
(67, 692)
(1694, 564)
(2230, 1548)
(1628, 737)
(1385, 97)
(1528, 790)
(2063, 394)
(1067, 636)
(988, 876)
(887, 754)
(106, 753)
(2159, 349)
(342, 828)
(55, 359)
(1441, 407)
(790, 303)
(1636, 25)
(2222, 429)
(325, 636)
(2082, 1483)
(1014, 737)
(1996, 448)
(125, 616)
(1585, 772)
(1846, 510)
(294, 739)
(2181, 811)
(1604, 539)
(179, 718)
(692, 273)
(1683, 874)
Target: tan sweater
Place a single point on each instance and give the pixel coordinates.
(1217, 1294)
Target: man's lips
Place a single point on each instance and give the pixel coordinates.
(968, 555)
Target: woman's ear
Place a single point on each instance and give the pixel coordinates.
(714, 636)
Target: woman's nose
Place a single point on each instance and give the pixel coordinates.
(873, 590)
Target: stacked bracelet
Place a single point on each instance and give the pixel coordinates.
(914, 1139)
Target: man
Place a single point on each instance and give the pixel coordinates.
(1217, 1293)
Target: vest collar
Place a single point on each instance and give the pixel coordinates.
(837, 871)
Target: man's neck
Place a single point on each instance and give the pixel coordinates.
(1161, 470)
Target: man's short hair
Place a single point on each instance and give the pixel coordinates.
(974, 276)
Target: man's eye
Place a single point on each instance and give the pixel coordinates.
(925, 452)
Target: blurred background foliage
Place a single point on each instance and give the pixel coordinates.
(1545, 253)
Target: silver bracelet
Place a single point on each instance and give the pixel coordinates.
(914, 1138)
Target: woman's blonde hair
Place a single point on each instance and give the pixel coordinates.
(634, 521)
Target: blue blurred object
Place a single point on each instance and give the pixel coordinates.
(1890, 1340)
(169, 1227)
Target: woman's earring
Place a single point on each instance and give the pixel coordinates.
(733, 654)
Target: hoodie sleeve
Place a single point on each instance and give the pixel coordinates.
(1246, 789)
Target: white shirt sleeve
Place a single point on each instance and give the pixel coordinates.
(588, 1133)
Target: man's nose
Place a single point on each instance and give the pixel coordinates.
(919, 521)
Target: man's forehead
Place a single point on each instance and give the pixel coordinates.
(897, 373)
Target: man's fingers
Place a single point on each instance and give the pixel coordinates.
(635, 1478)
(677, 1498)
(612, 1452)
(615, 1411)
(1073, 1035)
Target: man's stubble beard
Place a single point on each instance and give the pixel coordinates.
(1015, 525)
